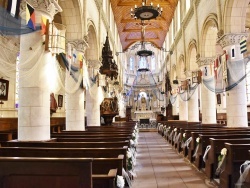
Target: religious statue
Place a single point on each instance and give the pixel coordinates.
(143, 99)
(143, 102)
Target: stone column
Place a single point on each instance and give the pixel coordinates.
(208, 101)
(176, 100)
(193, 106)
(75, 112)
(236, 98)
(183, 109)
(34, 94)
(94, 97)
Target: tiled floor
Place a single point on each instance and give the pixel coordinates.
(159, 166)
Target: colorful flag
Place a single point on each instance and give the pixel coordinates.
(243, 45)
(205, 71)
(30, 17)
(216, 65)
(13, 7)
(43, 25)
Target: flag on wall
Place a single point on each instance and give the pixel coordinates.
(13, 7)
(243, 45)
(43, 25)
(30, 17)
(216, 65)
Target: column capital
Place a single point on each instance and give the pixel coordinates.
(80, 45)
(202, 61)
(48, 7)
(231, 39)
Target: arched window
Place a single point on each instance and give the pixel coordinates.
(131, 63)
(153, 63)
(17, 81)
(187, 5)
(178, 16)
(248, 83)
(143, 63)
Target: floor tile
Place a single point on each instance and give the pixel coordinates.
(159, 166)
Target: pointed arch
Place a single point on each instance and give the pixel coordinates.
(234, 18)
(208, 36)
(191, 56)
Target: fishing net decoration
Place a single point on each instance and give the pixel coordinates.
(12, 26)
(227, 76)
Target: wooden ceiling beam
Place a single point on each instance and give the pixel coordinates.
(139, 30)
(132, 3)
(159, 19)
(137, 40)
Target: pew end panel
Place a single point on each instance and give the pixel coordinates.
(30, 172)
(105, 180)
(236, 155)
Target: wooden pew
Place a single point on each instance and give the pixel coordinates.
(188, 130)
(95, 139)
(6, 136)
(45, 172)
(196, 134)
(105, 181)
(90, 132)
(204, 142)
(236, 155)
(66, 152)
(217, 144)
(62, 135)
(15, 143)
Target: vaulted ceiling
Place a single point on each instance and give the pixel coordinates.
(130, 30)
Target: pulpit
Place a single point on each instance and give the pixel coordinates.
(109, 109)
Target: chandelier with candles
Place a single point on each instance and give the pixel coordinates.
(146, 12)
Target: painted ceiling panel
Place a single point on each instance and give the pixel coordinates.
(130, 29)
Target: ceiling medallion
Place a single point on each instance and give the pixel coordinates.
(146, 12)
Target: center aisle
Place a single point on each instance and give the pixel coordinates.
(159, 166)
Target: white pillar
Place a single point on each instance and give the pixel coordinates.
(75, 112)
(183, 109)
(122, 108)
(94, 99)
(208, 100)
(193, 108)
(208, 106)
(237, 106)
(236, 97)
(34, 94)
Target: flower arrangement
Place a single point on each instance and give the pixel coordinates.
(184, 138)
(133, 136)
(120, 181)
(129, 161)
(198, 140)
(169, 130)
(222, 153)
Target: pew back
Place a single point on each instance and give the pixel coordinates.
(45, 172)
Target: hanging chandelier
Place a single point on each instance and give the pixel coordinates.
(144, 52)
(146, 12)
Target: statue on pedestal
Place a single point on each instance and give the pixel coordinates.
(143, 103)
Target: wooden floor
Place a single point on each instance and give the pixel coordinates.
(159, 166)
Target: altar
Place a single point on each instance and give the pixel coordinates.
(146, 114)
